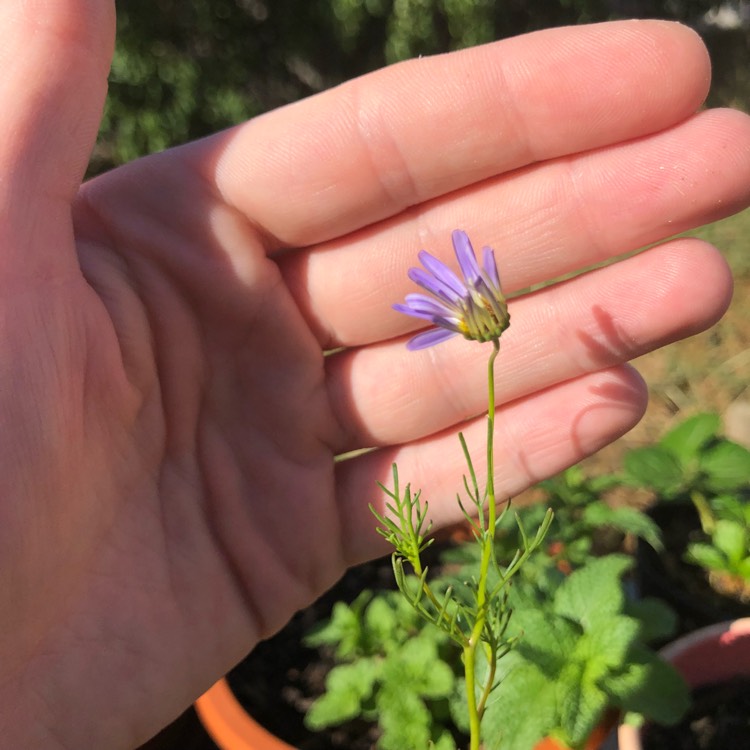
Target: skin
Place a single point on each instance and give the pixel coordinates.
(168, 494)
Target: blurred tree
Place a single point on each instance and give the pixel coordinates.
(185, 68)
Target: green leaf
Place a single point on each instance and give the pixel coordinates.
(404, 719)
(347, 687)
(732, 508)
(651, 687)
(686, 440)
(593, 592)
(610, 641)
(522, 709)
(546, 640)
(417, 667)
(380, 624)
(582, 704)
(732, 539)
(705, 555)
(444, 741)
(657, 620)
(656, 468)
(343, 629)
(727, 466)
(625, 519)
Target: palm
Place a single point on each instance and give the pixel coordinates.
(171, 420)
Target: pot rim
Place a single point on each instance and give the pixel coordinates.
(229, 724)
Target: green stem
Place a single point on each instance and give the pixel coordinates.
(475, 709)
(704, 512)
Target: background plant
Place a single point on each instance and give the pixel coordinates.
(185, 68)
(726, 553)
(391, 669)
(694, 463)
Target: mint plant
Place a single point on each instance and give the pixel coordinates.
(475, 619)
(390, 669)
(726, 553)
(583, 651)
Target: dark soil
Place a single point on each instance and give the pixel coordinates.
(719, 719)
(185, 733)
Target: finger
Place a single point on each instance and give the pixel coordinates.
(55, 58)
(543, 222)
(374, 146)
(535, 438)
(385, 394)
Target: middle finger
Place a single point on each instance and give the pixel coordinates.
(543, 221)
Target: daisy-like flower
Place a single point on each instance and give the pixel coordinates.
(473, 307)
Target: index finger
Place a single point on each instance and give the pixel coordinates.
(372, 147)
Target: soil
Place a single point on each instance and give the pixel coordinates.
(719, 719)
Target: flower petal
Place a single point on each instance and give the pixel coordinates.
(434, 285)
(429, 338)
(423, 303)
(466, 258)
(441, 272)
(490, 266)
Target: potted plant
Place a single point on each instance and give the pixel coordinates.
(602, 653)
(582, 654)
(701, 484)
(715, 662)
(379, 626)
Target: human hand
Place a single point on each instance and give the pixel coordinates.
(169, 420)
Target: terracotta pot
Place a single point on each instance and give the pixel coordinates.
(232, 728)
(229, 725)
(709, 655)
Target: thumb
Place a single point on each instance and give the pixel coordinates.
(54, 58)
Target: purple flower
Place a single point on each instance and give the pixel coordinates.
(473, 307)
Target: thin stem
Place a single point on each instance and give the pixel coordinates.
(475, 709)
(704, 512)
